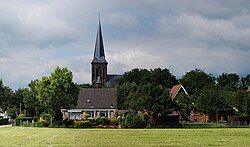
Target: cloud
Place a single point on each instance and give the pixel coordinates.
(37, 36)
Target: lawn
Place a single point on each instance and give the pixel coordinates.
(28, 136)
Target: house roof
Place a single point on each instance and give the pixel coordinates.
(112, 79)
(175, 90)
(97, 99)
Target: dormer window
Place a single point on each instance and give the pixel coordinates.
(88, 100)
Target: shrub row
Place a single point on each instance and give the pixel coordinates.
(131, 120)
(4, 121)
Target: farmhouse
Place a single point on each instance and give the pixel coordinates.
(96, 102)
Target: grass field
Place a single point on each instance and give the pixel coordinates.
(28, 136)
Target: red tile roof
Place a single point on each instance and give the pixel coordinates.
(175, 89)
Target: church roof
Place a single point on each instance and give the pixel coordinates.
(112, 79)
(97, 99)
(99, 55)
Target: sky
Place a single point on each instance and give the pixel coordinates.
(38, 35)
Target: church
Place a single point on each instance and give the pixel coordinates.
(96, 102)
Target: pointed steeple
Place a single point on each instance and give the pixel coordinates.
(99, 55)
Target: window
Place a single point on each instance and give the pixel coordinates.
(75, 115)
(104, 114)
(88, 100)
(90, 114)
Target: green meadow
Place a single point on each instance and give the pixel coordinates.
(29, 136)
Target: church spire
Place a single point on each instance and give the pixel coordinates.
(99, 63)
(99, 55)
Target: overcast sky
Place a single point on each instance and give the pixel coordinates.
(36, 36)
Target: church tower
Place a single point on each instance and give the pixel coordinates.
(99, 64)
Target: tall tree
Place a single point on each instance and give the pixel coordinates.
(229, 81)
(240, 101)
(212, 100)
(19, 96)
(31, 102)
(6, 97)
(245, 82)
(57, 92)
(123, 92)
(195, 80)
(137, 76)
(163, 77)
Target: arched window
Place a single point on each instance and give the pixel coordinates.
(98, 72)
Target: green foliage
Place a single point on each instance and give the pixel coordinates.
(85, 85)
(81, 123)
(19, 97)
(230, 82)
(240, 101)
(45, 120)
(195, 80)
(31, 102)
(136, 120)
(122, 93)
(4, 121)
(102, 121)
(114, 121)
(248, 104)
(12, 111)
(57, 92)
(213, 99)
(22, 120)
(68, 123)
(136, 101)
(7, 98)
(245, 82)
(150, 96)
(156, 76)
(21, 116)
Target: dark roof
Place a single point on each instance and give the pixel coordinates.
(99, 55)
(97, 99)
(112, 79)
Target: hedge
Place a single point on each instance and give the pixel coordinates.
(4, 121)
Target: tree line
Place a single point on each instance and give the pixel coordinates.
(142, 89)
(138, 90)
(47, 95)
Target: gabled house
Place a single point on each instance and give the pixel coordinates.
(93, 103)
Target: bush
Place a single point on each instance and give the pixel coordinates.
(67, 123)
(38, 124)
(23, 120)
(135, 120)
(4, 121)
(81, 123)
(113, 121)
(45, 120)
(102, 121)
